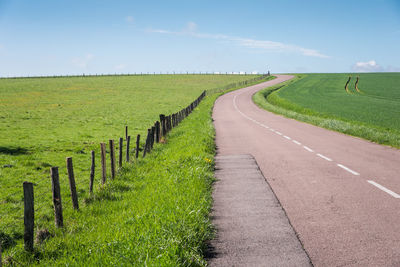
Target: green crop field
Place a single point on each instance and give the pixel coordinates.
(373, 112)
(45, 120)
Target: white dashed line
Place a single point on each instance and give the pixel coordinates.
(347, 169)
(308, 149)
(390, 192)
(322, 156)
(287, 137)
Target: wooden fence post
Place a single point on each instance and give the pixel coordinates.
(55, 188)
(29, 216)
(162, 122)
(126, 132)
(147, 143)
(121, 140)
(72, 185)
(92, 169)
(112, 157)
(137, 145)
(169, 123)
(103, 163)
(128, 141)
(153, 131)
(157, 132)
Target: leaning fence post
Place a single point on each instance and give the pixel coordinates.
(29, 216)
(72, 186)
(55, 188)
(112, 157)
(103, 163)
(137, 145)
(128, 141)
(92, 169)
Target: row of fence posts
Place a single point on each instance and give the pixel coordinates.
(155, 134)
(234, 85)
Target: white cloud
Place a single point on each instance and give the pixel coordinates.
(82, 62)
(191, 30)
(369, 66)
(373, 66)
(129, 19)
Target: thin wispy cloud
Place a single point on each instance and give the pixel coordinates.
(267, 45)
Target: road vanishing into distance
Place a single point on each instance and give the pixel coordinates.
(340, 193)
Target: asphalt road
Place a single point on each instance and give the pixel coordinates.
(339, 192)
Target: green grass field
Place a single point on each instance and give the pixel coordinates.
(43, 121)
(321, 99)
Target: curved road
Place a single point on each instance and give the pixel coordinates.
(340, 192)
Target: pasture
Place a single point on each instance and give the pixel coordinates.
(45, 120)
(321, 99)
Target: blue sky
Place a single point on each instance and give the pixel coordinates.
(73, 37)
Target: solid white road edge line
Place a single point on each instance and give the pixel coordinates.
(390, 192)
(347, 169)
(325, 158)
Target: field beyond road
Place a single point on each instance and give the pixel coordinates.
(372, 112)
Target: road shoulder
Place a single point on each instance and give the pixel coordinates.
(252, 228)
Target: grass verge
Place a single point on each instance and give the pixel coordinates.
(155, 213)
(269, 100)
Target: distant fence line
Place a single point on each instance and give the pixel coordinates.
(157, 133)
(132, 74)
(238, 84)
